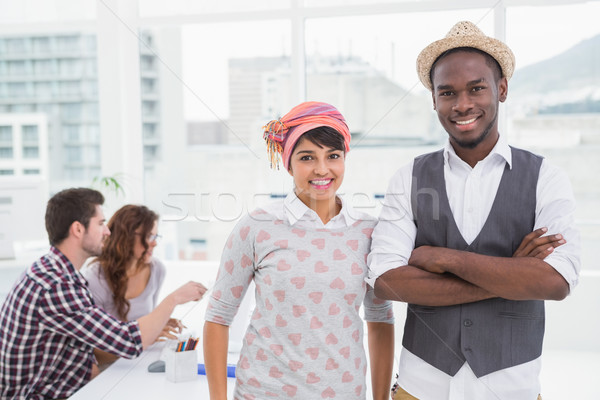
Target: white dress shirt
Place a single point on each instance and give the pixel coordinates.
(471, 192)
(300, 215)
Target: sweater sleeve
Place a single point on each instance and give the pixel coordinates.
(377, 310)
(236, 271)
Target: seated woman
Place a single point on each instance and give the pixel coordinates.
(125, 279)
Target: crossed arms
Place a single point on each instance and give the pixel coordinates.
(437, 276)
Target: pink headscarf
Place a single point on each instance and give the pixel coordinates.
(282, 134)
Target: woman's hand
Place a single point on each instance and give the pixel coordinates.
(191, 291)
(172, 328)
(536, 245)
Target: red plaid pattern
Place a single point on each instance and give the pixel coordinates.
(50, 326)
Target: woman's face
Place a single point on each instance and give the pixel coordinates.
(318, 172)
(151, 240)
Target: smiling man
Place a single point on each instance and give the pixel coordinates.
(449, 235)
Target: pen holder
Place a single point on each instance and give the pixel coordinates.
(181, 366)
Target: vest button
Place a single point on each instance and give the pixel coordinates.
(467, 322)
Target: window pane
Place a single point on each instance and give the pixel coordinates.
(31, 152)
(6, 152)
(6, 134)
(30, 133)
(365, 66)
(553, 106)
(232, 88)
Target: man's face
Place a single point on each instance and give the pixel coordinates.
(93, 238)
(466, 97)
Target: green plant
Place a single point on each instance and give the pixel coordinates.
(109, 183)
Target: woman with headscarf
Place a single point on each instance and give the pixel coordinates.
(307, 256)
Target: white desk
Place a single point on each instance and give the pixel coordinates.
(130, 380)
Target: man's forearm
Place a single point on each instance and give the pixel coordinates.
(413, 285)
(515, 278)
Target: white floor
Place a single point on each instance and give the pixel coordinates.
(570, 375)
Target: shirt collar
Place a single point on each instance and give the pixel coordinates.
(295, 210)
(501, 149)
(64, 262)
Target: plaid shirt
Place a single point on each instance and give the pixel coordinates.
(49, 328)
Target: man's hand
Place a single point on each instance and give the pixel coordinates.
(430, 259)
(536, 245)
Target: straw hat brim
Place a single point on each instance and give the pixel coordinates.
(494, 47)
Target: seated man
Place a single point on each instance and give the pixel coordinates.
(50, 324)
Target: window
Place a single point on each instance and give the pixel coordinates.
(31, 152)
(150, 153)
(148, 86)
(367, 57)
(41, 44)
(6, 152)
(73, 154)
(43, 90)
(230, 89)
(7, 171)
(15, 46)
(69, 67)
(67, 44)
(149, 130)
(71, 133)
(71, 111)
(5, 134)
(30, 133)
(16, 68)
(17, 89)
(148, 108)
(68, 88)
(31, 171)
(147, 63)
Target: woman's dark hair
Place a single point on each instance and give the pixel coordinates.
(118, 249)
(323, 136)
(489, 60)
(68, 206)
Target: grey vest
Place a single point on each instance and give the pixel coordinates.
(491, 334)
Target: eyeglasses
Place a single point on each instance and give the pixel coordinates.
(150, 238)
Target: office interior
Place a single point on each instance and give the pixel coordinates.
(162, 103)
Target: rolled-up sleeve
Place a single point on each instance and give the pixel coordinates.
(377, 310)
(393, 239)
(555, 209)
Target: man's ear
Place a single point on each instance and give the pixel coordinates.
(433, 99)
(503, 89)
(77, 229)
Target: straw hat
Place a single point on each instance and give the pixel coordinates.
(465, 34)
